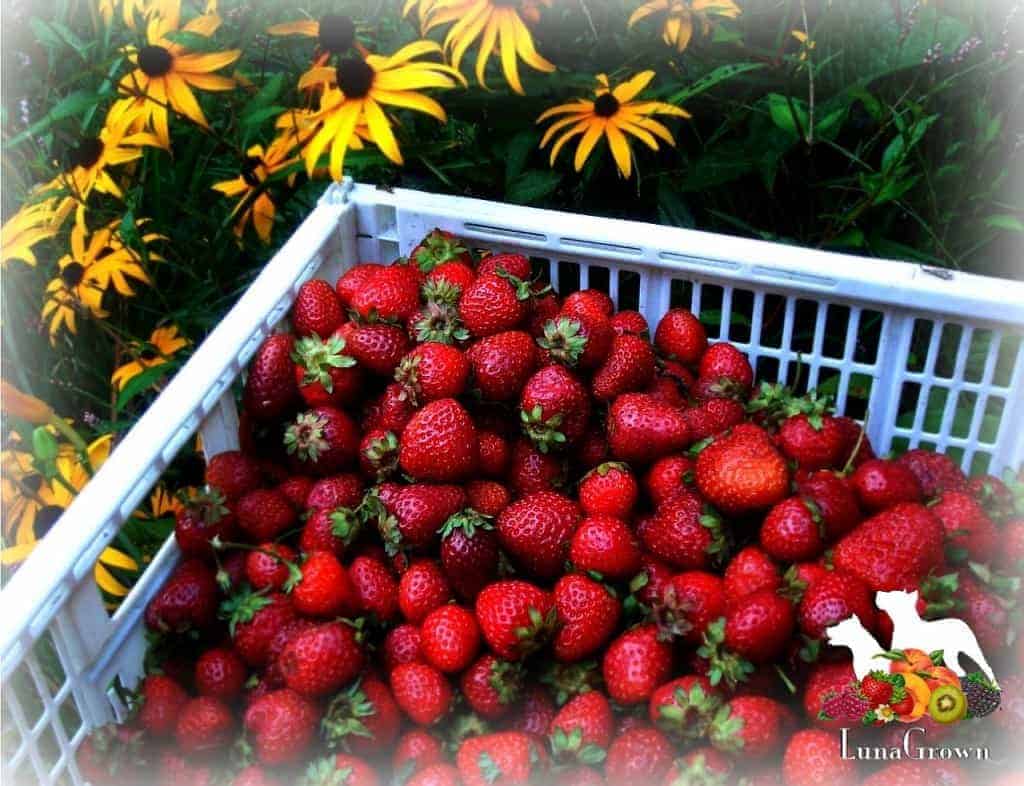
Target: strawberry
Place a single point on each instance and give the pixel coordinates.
(204, 724)
(439, 443)
(545, 305)
(881, 484)
(254, 620)
(439, 247)
(316, 310)
(270, 567)
(813, 758)
(680, 336)
(607, 546)
(254, 775)
(629, 367)
(1010, 558)
(554, 408)
(402, 645)
(494, 303)
(220, 673)
(703, 765)
(641, 429)
(233, 474)
(684, 532)
(812, 441)
(749, 725)
(323, 440)
(688, 603)
(325, 590)
(727, 370)
(919, 773)
(187, 602)
(582, 729)
(515, 617)
(162, 699)
(970, 533)
(835, 502)
(588, 615)
(683, 707)
(413, 515)
(590, 299)
(579, 336)
(893, 549)
(337, 491)
(325, 375)
(415, 750)
(270, 389)
(501, 364)
(438, 320)
(436, 775)
(531, 471)
(364, 718)
(203, 518)
(495, 454)
(833, 598)
(827, 680)
(742, 473)
(712, 417)
(793, 531)
(491, 686)
(296, 490)
(630, 323)
(378, 454)
(985, 610)
(264, 514)
(281, 724)
(667, 476)
(750, 570)
(759, 626)
(376, 589)
(667, 389)
(450, 638)
(422, 692)
(639, 755)
(322, 659)
(459, 275)
(422, 589)
(487, 497)
(377, 347)
(174, 768)
(354, 279)
(535, 712)
(993, 495)
(469, 551)
(515, 264)
(636, 663)
(329, 529)
(433, 371)
(392, 293)
(507, 758)
(113, 754)
(536, 530)
(935, 472)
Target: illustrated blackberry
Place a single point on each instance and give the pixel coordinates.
(845, 706)
(983, 697)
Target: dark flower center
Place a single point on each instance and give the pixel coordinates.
(147, 353)
(249, 170)
(337, 33)
(155, 60)
(606, 105)
(355, 77)
(87, 153)
(46, 518)
(72, 274)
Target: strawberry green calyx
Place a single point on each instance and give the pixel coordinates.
(345, 524)
(342, 719)
(324, 772)
(718, 548)
(939, 593)
(793, 587)
(563, 340)
(408, 376)
(372, 511)
(532, 636)
(567, 680)
(770, 403)
(318, 356)
(439, 322)
(436, 249)
(488, 767)
(1005, 587)
(671, 615)
(602, 470)
(696, 770)
(242, 606)
(467, 520)
(382, 454)
(464, 726)
(571, 746)
(505, 678)
(690, 713)
(523, 289)
(441, 292)
(543, 433)
(207, 505)
(305, 437)
(723, 666)
(726, 730)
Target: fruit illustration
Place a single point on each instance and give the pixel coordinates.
(947, 704)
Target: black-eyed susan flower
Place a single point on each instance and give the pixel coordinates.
(612, 114)
(335, 36)
(163, 503)
(500, 27)
(97, 262)
(163, 344)
(806, 44)
(165, 72)
(254, 202)
(20, 502)
(356, 93)
(33, 223)
(681, 16)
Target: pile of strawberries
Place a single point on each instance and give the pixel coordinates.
(478, 534)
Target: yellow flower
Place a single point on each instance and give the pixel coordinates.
(166, 72)
(356, 92)
(162, 503)
(613, 114)
(680, 15)
(129, 8)
(163, 343)
(33, 223)
(806, 44)
(500, 26)
(335, 34)
(95, 263)
(254, 201)
(423, 9)
(19, 497)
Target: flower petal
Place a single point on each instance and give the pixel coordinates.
(629, 90)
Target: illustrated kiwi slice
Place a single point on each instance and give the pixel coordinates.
(947, 704)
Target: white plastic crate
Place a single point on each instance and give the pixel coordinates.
(945, 349)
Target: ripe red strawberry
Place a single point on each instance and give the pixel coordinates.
(641, 429)
(984, 611)
(364, 718)
(495, 454)
(812, 441)
(536, 530)
(323, 440)
(515, 264)
(188, 601)
(639, 755)
(544, 306)
(113, 754)
(668, 389)
(204, 724)
(683, 707)
(827, 680)
(270, 389)
(437, 248)
(835, 502)
(322, 659)
(935, 472)
(487, 497)
(535, 713)
(254, 620)
(493, 304)
(742, 472)
(329, 529)
(440, 774)
(813, 758)
(683, 532)
(688, 603)
(554, 408)
(402, 645)
(264, 514)
(324, 374)
(630, 323)
(174, 767)
(450, 638)
(378, 454)
(433, 371)
(750, 570)
(704, 765)
(337, 491)
(422, 589)
(833, 598)
(501, 364)
(439, 443)
(254, 775)
(681, 336)
(881, 484)
(507, 758)
(609, 490)
(340, 769)
(491, 686)
(607, 546)
(392, 293)
(1010, 558)
(759, 626)
(415, 750)
(376, 589)
(282, 724)
(583, 728)
(469, 552)
(316, 310)
(515, 617)
(752, 726)
(635, 664)
(588, 615)
(414, 514)
(377, 347)
(793, 531)
(220, 673)
(296, 490)
(203, 518)
(531, 471)
(727, 370)
(921, 773)
(459, 275)
(893, 549)
(354, 279)
(712, 417)
(162, 699)
(970, 533)
(591, 299)
(325, 590)
(579, 337)
(422, 692)
(269, 568)
(667, 476)
(233, 474)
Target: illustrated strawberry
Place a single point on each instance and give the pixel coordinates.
(834, 501)
(282, 725)
(750, 570)
(402, 645)
(316, 310)
(437, 248)
(203, 518)
(629, 367)
(220, 673)
(554, 408)
(422, 692)
(606, 546)
(422, 589)
(881, 484)
(161, 698)
(639, 755)
(433, 371)
(254, 620)
(364, 718)
(636, 663)
(494, 303)
(680, 336)
(264, 514)
(392, 293)
(578, 337)
(826, 681)
(893, 549)
(376, 589)
(439, 443)
(935, 472)
(324, 374)
(712, 417)
(491, 686)
(270, 566)
(684, 707)
(688, 603)
(187, 602)
(759, 626)
(742, 473)
(515, 617)
(751, 726)
(415, 750)
(630, 322)
(270, 389)
(204, 724)
(587, 614)
(328, 529)
(354, 279)
(515, 264)
(344, 490)
(325, 590)
(449, 638)
(378, 347)
(233, 474)
(793, 531)
(725, 372)
(582, 729)
(813, 758)
(322, 659)
(531, 471)
(501, 363)
(684, 532)
(323, 440)
(834, 597)
(667, 476)
(535, 531)
(507, 758)
(411, 516)
(641, 429)
(487, 497)
(469, 551)
(970, 533)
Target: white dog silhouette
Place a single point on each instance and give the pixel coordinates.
(866, 651)
(954, 637)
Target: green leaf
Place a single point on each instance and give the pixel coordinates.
(1004, 221)
(69, 106)
(899, 147)
(706, 82)
(55, 36)
(672, 208)
(193, 41)
(517, 152)
(532, 186)
(141, 383)
(787, 112)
